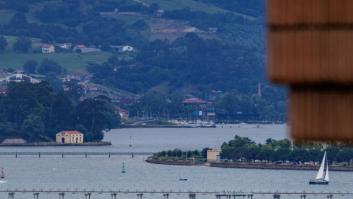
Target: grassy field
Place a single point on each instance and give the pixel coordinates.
(180, 4)
(70, 61)
(12, 39)
(5, 16)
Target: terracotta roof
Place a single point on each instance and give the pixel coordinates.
(71, 132)
(194, 101)
(80, 46)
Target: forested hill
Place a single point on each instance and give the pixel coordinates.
(181, 47)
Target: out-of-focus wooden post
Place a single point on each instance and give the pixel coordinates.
(310, 49)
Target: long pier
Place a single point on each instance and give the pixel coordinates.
(88, 194)
(70, 154)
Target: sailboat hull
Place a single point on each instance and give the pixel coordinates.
(318, 182)
(322, 176)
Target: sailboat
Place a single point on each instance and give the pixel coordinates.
(130, 144)
(2, 174)
(322, 176)
(123, 168)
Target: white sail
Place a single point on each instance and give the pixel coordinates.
(320, 174)
(327, 177)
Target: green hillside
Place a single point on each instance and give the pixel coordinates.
(211, 49)
(5, 16)
(70, 61)
(181, 4)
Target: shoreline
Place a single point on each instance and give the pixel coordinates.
(163, 126)
(218, 125)
(278, 166)
(172, 162)
(49, 144)
(241, 165)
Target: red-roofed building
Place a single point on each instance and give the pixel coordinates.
(69, 137)
(124, 114)
(198, 109)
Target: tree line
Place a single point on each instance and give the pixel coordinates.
(21, 45)
(245, 149)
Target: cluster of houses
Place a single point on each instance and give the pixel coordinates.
(80, 48)
(89, 89)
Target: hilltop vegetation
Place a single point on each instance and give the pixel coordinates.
(249, 7)
(181, 48)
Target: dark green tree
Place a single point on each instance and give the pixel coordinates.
(75, 91)
(33, 128)
(3, 43)
(96, 115)
(30, 66)
(19, 20)
(22, 44)
(48, 66)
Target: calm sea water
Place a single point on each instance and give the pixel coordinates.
(103, 173)
(154, 140)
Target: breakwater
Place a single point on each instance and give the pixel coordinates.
(71, 154)
(247, 165)
(173, 162)
(41, 144)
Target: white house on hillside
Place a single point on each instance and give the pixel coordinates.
(48, 48)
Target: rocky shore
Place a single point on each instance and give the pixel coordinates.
(173, 162)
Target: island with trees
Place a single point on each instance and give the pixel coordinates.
(35, 112)
(242, 152)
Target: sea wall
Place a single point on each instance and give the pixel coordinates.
(172, 162)
(41, 144)
(276, 166)
(246, 165)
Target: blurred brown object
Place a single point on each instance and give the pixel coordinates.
(310, 57)
(321, 113)
(310, 49)
(294, 12)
